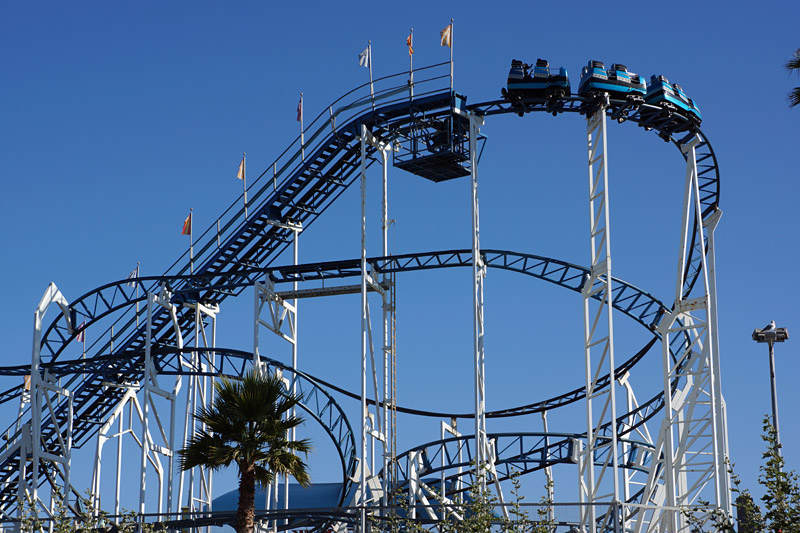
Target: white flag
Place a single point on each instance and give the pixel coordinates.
(240, 174)
(447, 36)
(133, 275)
(363, 58)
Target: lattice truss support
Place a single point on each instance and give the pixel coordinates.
(601, 407)
(691, 449)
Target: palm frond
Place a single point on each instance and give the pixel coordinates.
(793, 64)
(794, 97)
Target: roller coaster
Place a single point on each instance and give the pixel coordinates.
(155, 357)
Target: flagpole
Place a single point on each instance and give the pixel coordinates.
(302, 134)
(137, 295)
(191, 242)
(369, 64)
(244, 182)
(452, 43)
(411, 63)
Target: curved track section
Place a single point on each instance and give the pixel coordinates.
(116, 297)
(515, 453)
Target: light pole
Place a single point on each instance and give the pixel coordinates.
(770, 335)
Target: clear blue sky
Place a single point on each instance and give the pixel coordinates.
(119, 117)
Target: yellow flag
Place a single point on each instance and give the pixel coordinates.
(447, 36)
(240, 174)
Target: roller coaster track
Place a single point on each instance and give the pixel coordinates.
(116, 297)
(295, 190)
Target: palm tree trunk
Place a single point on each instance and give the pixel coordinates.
(245, 516)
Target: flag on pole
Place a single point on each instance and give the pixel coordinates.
(447, 36)
(80, 337)
(363, 58)
(410, 45)
(187, 226)
(300, 110)
(133, 275)
(240, 174)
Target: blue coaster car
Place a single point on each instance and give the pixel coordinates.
(672, 98)
(616, 81)
(522, 83)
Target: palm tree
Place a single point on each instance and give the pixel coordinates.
(793, 65)
(247, 424)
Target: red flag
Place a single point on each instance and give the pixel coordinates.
(80, 337)
(187, 225)
(408, 42)
(300, 110)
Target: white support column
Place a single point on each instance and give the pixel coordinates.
(387, 315)
(478, 273)
(43, 390)
(146, 402)
(293, 431)
(548, 471)
(601, 406)
(692, 442)
(364, 419)
(721, 439)
(155, 440)
(200, 394)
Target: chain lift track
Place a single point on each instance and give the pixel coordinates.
(240, 248)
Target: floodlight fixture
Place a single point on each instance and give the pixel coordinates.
(771, 334)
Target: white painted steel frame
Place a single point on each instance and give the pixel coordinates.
(599, 335)
(692, 442)
(370, 430)
(283, 322)
(44, 391)
(478, 274)
(150, 386)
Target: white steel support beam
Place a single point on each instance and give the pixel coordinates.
(282, 320)
(375, 426)
(388, 315)
(200, 393)
(601, 408)
(364, 418)
(692, 443)
(43, 391)
(720, 415)
(478, 274)
(157, 440)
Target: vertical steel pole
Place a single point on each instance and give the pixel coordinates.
(256, 312)
(722, 425)
(597, 286)
(293, 434)
(363, 464)
(386, 336)
(119, 467)
(146, 401)
(475, 122)
(773, 385)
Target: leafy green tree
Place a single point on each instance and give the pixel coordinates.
(793, 65)
(247, 424)
(781, 497)
(782, 490)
